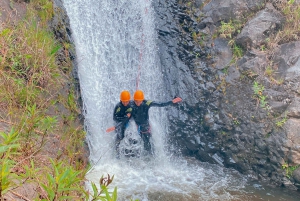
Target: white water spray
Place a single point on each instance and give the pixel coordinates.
(115, 42)
(115, 46)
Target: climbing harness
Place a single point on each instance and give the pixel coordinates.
(147, 131)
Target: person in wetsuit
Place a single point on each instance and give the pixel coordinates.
(121, 116)
(140, 114)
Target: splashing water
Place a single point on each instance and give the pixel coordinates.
(116, 50)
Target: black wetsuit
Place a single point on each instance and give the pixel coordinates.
(140, 115)
(121, 119)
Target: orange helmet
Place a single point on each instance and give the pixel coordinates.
(139, 95)
(125, 96)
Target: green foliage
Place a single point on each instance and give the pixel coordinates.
(28, 67)
(9, 145)
(34, 107)
(281, 122)
(198, 37)
(269, 71)
(30, 83)
(6, 178)
(223, 85)
(62, 182)
(72, 103)
(225, 70)
(291, 29)
(289, 169)
(227, 30)
(47, 124)
(262, 47)
(236, 121)
(43, 9)
(194, 36)
(224, 133)
(103, 194)
(236, 50)
(9, 142)
(258, 94)
(31, 171)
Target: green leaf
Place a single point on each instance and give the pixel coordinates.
(114, 194)
(51, 179)
(5, 32)
(28, 56)
(65, 174)
(105, 190)
(49, 191)
(95, 189)
(5, 148)
(55, 49)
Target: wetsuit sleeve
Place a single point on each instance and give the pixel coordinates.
(157, 104)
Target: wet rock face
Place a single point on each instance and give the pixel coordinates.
(60, 26)
(60, 23)
(234, 114)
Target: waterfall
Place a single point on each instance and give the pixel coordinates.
(115, 50)
(115, 45)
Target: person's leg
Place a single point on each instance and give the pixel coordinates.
(145, 133)
(146, 140)
(119, 137)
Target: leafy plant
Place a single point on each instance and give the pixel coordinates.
(258, 94)
(281, 122)
(62, 182)
(31, 80)
(289, 169)
(228, 29)
(291, 28)
(236, 50)
(236, 121)
(9, 145)
(39, 113)
(262, 47)
(103, 194)
(269, 71)
(225, 70)
(194, 36)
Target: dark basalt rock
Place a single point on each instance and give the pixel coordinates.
(221, 120)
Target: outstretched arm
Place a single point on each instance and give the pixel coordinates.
(156, 104)
(120, 124)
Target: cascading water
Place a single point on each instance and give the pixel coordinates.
(115, 47)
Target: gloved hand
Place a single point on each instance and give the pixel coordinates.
(176, 100)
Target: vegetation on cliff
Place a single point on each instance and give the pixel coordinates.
(42, 139)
